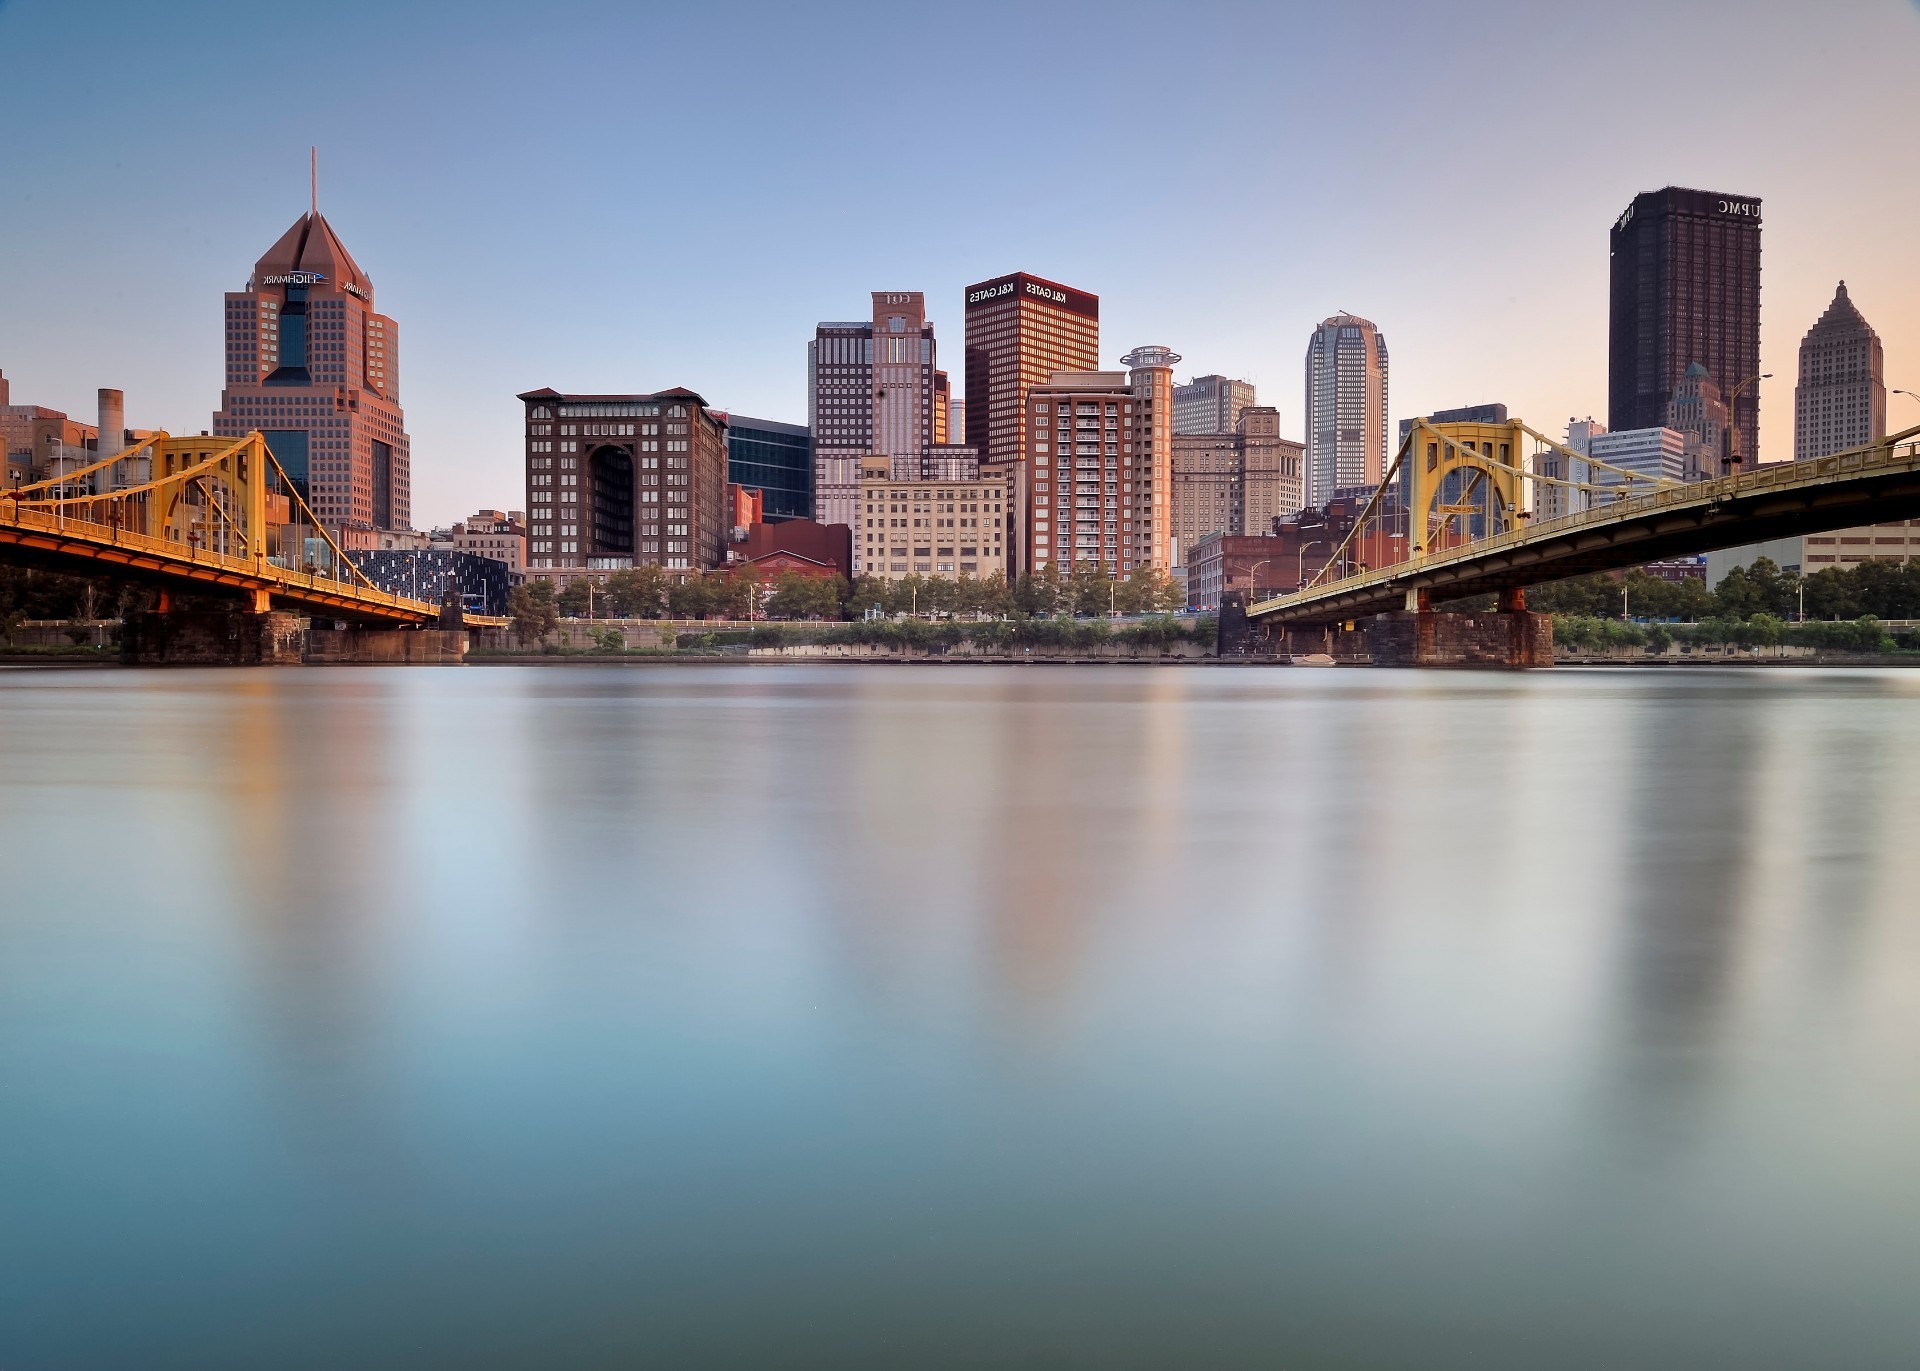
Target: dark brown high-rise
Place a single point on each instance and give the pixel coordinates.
(617, 481)
(1685, 288)
(1021, 329)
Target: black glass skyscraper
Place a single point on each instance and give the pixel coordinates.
(1685, 288)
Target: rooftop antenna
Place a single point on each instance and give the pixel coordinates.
(313, 177)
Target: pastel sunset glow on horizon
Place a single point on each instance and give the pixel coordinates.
(610, 197)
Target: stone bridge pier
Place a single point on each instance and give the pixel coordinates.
(1511, 636)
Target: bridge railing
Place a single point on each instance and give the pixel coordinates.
(1774, 476)
(72, 526)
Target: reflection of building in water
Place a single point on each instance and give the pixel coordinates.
(1689, 887)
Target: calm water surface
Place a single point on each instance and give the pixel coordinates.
(1053, 1017)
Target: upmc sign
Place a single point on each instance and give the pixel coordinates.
(1030, 287)
(1745, 209)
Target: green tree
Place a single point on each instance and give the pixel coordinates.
(637, 593)
(868, 592)
(797, 595)
(534, 612)
(737, 595)
(1041, 595)
(577, 598)
(1832, 594)
(690, 597)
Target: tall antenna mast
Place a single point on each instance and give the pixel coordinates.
(313, 176)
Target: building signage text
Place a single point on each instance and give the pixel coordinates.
(295, 278)
(1745, 208)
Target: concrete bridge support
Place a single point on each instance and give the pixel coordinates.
(246, 637)
(213, 637)
(1507, 638)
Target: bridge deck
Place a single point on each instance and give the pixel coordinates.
(1870, 485)
(82, 547)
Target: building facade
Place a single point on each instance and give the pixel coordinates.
(624, 480)
(1698, 412)
(1096, 482)
(1557, 501)
(1659, 453)
(498, 534)
(316, 368)
(1235, 483)
(1841, 402)
(1346, 407)
(1021, 329)
(957, 420)
(945, 529)
(775, 459)
(872, 388)
(1210, 404)
(1684, 287)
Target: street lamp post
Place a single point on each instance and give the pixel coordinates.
(1733, 427)
(1300, 563)
(1253, 578)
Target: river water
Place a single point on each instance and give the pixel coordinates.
(815, 1016)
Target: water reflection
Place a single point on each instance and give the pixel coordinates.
(803, 1016)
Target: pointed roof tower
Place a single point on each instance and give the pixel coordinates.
(1841, 317)
(311, 246)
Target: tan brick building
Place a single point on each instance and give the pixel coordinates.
(946, 529)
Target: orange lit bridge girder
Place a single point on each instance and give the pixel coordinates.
(1875, 483)
(210, 516)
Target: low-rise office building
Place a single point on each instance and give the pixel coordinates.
(937, 528)
(496, 533)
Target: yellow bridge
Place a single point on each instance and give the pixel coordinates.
(1471, 501)
(209, 515)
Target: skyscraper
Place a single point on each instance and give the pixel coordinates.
(1841, 402)
(1021, 329)
(871, 388)
(1210, 404)
(1841, 399)
(312, 365)
(1685, 288)
(1346, 407)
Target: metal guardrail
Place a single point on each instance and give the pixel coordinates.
(166, 549)
(1777, 476)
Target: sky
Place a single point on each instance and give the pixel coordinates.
(626, 197)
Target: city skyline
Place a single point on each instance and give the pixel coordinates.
(1506, 304)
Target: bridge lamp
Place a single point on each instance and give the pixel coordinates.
(1253, 576)
(1733, 429)
(1908, 393)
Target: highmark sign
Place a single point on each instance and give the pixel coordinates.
(295, 278)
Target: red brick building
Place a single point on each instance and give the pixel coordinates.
(799, 545)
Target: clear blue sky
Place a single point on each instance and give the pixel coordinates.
(626, 197)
